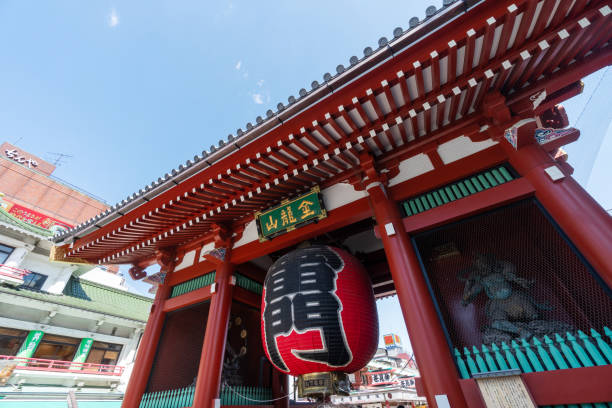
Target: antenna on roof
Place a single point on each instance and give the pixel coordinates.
(59, 158)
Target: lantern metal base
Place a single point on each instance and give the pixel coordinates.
(322, 385)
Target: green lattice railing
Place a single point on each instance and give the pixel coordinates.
(208, 279)
(193, 284)
(554, 352)
(549, 353)
(243, 395)
(178, 398)
(248, 284)
(183, 397)
(459, 189)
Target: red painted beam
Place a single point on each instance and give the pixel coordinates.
(247, 297)
(354, 212)
(465, 126)
(452, 171)
(482, 201)
(560, 96)
(252, 271)
(479, 202)
(188, 299)
(565, 76)
(191, 272)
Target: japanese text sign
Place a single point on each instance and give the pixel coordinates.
(290, 215)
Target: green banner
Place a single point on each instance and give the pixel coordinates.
(30, 344)
(83, 351)
(290, 215)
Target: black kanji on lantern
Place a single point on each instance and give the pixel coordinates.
(300, 295)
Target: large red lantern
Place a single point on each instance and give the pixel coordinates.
(319, 317)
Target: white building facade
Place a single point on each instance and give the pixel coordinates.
(62, 326)
(388, 380)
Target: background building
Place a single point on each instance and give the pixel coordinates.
(388, 380)
(32, 192)
(63, 326)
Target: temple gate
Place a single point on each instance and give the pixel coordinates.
(439, 166)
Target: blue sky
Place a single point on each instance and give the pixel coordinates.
(132, 89)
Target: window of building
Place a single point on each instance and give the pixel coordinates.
(104, 353)
(34, 280)
(5, 251)
(11, 340)
(54, 347)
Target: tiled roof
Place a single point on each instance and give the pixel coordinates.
(82, 294)
(16, 224)
(418, 28)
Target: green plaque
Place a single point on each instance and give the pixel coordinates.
(30, 344)
(290, 215)
(83, 351)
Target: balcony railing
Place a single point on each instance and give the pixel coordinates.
(41, 364)
(12, 272)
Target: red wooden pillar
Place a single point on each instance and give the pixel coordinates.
(146, 350)
(431, 350)
(585, 222)
(213, 349)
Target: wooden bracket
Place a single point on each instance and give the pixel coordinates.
(495, 108)
(166, 258)
(369, 174)
(216, 256)
(431, 150)
(555, 118)
(137, 272)
(521, 133)
(222, 235)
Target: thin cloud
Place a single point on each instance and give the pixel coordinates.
(113, 19)
(238, 65)
(258, 98)
(260, 83)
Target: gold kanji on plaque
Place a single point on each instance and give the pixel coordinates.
(271, 224)
(305, 208)
(290, 214)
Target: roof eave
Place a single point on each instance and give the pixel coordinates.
(387, 50)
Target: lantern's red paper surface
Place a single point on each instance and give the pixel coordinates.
(318, 312)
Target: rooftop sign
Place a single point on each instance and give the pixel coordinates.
(291, 214)
(33, 217)
(26, 159)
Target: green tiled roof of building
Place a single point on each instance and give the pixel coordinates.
(83, 294)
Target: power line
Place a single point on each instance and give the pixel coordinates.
(580, 117)
(591, 96)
